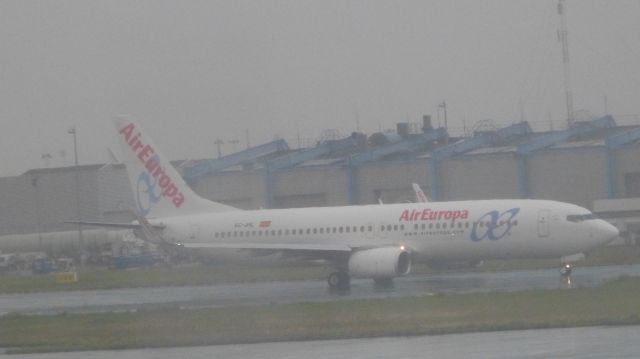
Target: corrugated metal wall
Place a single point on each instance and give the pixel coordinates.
(43, 199)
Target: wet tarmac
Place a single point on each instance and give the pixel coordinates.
(591, 342)
(302, 291)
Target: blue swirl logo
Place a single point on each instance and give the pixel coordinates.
(148, 194)
(494, 225)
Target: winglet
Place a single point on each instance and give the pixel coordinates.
(420, 196)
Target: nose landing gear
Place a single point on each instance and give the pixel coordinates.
(565, 270)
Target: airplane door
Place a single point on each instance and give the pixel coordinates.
(543, 223)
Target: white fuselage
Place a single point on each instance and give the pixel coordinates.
(438, 231)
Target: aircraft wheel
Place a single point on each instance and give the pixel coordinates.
(339, 280)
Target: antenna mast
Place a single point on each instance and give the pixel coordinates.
(562, 36)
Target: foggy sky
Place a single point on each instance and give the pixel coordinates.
(194, 71)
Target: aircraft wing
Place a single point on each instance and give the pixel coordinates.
(114, 225)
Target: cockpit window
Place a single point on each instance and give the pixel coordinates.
(580, 217)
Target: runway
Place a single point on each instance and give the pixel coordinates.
(302, 291)
(591, 342)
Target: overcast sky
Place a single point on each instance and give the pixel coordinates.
(194, 71)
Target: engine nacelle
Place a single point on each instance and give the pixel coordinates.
(387, 262)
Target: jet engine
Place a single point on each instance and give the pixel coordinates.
(377, 263)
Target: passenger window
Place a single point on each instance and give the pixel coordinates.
(340, 229)
(315, 230)
(437, 225)
(362, 229)
(424, 226)
(222, 235)
(444, 225)
(430, 225)
(402, 227)
(370, 228)
(348, 229)
(389, 227)
(308, 230)
(279, 232)
(381, 228)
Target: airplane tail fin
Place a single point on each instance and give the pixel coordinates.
(158, 188)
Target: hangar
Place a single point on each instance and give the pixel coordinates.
(591, 161)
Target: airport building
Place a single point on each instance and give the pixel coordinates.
(592, 163)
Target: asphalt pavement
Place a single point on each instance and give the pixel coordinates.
(302, 291)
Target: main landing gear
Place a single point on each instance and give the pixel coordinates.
(383, 282)
(339, 280)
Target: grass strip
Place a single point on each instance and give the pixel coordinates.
(614, 303)
(193, 275)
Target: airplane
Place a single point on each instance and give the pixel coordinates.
(378, 242)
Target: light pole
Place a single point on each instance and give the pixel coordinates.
(34, 182)
(72, 131)
(218, 142)
(443, 106)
